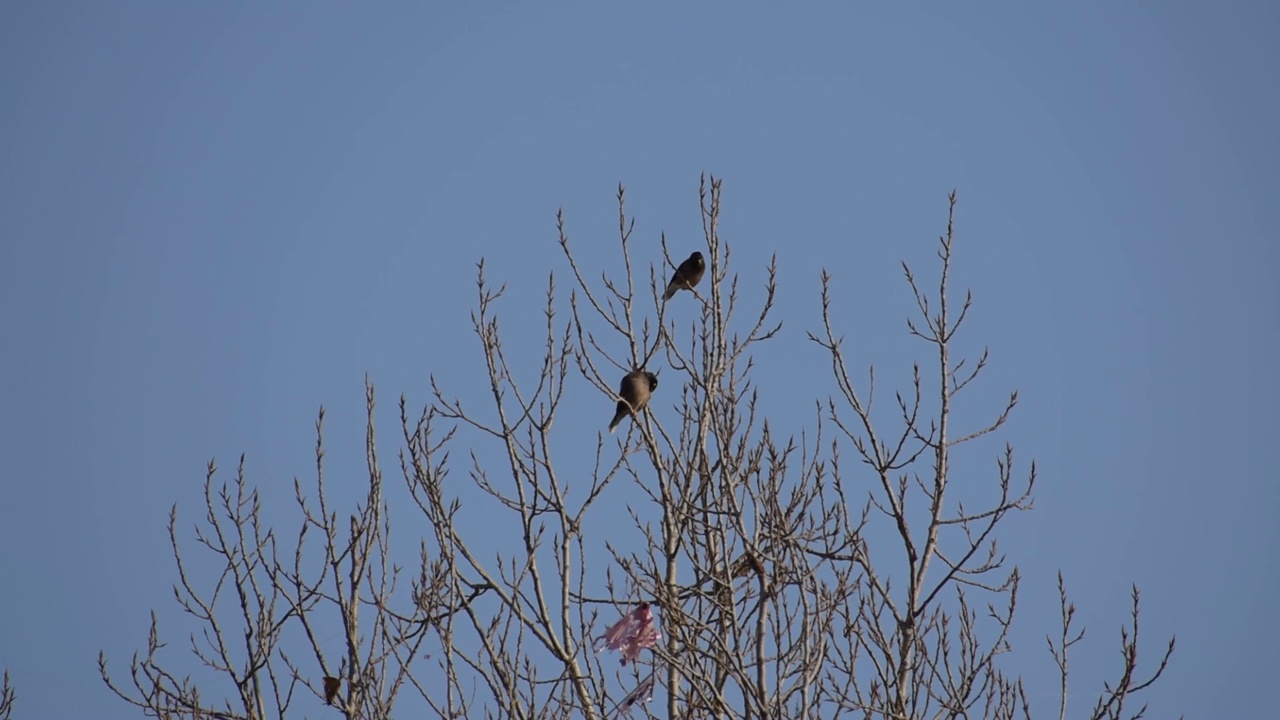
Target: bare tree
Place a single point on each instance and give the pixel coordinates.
(265, 606)
(7, 697)
(757, 574)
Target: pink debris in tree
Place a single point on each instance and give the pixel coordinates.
(642, 694)
(633, 633)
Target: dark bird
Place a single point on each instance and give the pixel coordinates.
(687, 275)
(636, 388)
(331, 687)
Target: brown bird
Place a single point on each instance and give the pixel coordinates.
(687, 275)
(636, 388)
(331, 687)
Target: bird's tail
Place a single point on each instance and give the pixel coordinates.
(623, 409)
(671, 291)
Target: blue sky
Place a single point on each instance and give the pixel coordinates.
(215, 218)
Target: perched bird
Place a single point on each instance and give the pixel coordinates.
(636, 388)
(331, 687)
(687, 275)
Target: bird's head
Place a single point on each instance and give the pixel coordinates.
(697, 257)
(653, 380)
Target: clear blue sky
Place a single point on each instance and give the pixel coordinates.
(214, 219)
